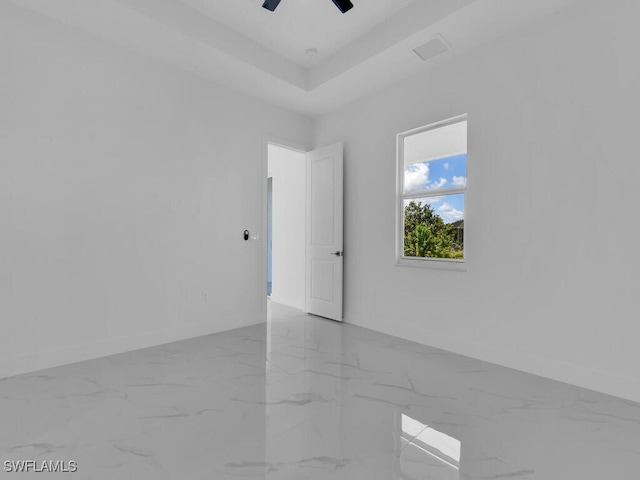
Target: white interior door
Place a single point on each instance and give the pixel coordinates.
(324, 252)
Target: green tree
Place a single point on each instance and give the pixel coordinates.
(426, 234)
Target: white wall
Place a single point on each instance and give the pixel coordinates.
(552, 280)
(288, 169)
(125, 186)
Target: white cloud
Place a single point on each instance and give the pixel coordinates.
(459, 181)
(449, 213)
(439, 184)
(416, 176)
(432, 200)
(446, 166)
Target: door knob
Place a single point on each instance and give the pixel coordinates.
(338, 254)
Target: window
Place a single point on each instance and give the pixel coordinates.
(427, 453)
(432, 180)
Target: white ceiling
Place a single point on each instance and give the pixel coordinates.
(239, 44)
(298, 25)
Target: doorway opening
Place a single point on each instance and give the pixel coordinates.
(269, 236)
(286, 226)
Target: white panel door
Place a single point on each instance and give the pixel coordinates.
(324, 232)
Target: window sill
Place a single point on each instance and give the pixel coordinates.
(432, 263)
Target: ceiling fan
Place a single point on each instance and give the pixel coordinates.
(343, 5)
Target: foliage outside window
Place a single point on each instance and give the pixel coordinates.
(432, 183)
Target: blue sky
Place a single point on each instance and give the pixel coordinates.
(444, 173)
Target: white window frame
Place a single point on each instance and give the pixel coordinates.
(425, 262)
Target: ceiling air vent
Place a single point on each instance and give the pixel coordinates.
(434, 47)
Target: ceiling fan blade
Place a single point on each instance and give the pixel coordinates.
(271, 4)
(343, 5)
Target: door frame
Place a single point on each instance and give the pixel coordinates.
(291, 145)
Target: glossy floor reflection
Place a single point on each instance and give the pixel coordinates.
(305, 398)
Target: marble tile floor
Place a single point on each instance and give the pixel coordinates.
(306, 398)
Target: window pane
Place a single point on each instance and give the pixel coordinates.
(440, 142)
(434, 227)
(449, 172)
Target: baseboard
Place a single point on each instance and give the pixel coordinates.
(63, 356)
(624, 387)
